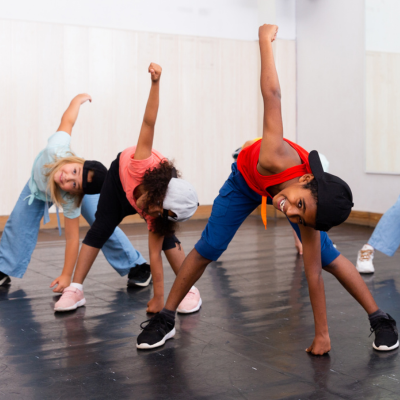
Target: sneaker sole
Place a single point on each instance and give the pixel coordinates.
(385, 348)
(5, 280)
(197, 308)
(131, 282)
(361, 270)
(365, 272)
(80, 303)
(160, 343)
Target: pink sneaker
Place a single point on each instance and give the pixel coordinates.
(191, 302)
(71, 299)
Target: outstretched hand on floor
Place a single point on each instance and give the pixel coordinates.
(62, 282)
(155, 305)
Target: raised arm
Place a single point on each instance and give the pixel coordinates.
(71, 113)
(145, 141)
(272, 141)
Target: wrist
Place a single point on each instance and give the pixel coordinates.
(323, 333)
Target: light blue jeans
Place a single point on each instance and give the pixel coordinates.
(22, 228)
(386, 235)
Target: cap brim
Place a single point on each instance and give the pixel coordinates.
(315, 164)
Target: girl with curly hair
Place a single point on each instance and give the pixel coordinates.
(141, 180)
(60, 177)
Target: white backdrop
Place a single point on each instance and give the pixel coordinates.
(209, 97)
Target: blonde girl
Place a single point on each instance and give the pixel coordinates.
(60, 177)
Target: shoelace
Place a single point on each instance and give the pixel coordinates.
(383, 325)
(154, 322)
(365, 255)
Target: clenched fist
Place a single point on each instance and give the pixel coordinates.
(155, 71)
(267, 32)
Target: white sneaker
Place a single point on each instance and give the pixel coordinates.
(364, 260)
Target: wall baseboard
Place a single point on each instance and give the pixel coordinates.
(203, 212)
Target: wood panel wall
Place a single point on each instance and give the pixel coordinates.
(209, 97)
(382, 112)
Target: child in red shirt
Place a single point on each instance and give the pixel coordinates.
(312, 200)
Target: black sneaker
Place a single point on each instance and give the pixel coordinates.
(139, 276)
(156, 332)
(4, 279)
(386, 335)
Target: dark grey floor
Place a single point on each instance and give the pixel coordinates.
(247, 341)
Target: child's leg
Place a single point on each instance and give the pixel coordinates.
(173, 251)
(345, 272)
(386, 235)
(118, 250)
(232, 206)
(20, 235)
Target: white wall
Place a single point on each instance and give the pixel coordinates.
(229, 19)
(331, 96)
(210, 85)
(209, 97)
(206, 109)
(382, 28)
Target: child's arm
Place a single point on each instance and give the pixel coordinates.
(156, 304)
(71, 114)
(272, 141)
(145, 141)
(313, 269)
(71, 254)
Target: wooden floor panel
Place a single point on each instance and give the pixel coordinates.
(247, 341)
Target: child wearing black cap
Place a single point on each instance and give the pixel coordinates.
(60, 177)
(313, 201)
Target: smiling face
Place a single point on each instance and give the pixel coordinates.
(69, 178)
(298, 203)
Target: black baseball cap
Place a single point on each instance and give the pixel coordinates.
(335, 199)
(100, 172)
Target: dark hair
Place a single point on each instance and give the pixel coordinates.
(155, 182)
(313, 187)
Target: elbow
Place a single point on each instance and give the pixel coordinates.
(272, 94)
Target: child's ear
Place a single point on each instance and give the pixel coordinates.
(306, 178)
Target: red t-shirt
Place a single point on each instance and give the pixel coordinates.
(247, 164)
(131, 173)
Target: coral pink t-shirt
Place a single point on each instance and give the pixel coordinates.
(131, 173)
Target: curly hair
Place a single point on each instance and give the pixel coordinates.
(313, 187)
(155, 182)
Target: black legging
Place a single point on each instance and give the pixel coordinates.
(112, 208)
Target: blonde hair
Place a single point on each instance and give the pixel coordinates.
(52, 187)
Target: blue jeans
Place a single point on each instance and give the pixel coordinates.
(233, 205)
(386, 235)
(21, 231)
